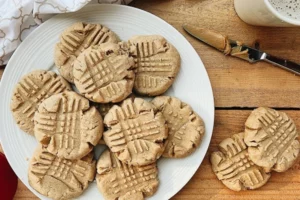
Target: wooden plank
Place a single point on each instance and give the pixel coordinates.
(204, 184)
(236, 82)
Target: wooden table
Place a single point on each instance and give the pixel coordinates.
(238, 88)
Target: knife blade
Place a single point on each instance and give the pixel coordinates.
(238, 49)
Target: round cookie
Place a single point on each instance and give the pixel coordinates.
(186, 128)
(135, 132)
(104, 73)
(75, 40)
(59, 178)
(67, 126)
(117, 180)
(30, 91)
(272, 139)
(157, 64)
(233, 166)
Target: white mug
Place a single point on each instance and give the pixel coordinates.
(262, 13)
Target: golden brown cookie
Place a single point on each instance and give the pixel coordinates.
(135, 132)
(157, 64)
(117, 180)
(67, 126)
(272, 139)
(59, 178)
(234, 168)
(30, 91)
(75, 40)
(104, 73)
(186, 128)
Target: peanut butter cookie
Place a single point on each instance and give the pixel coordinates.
(59, 178)
(117, 180)
(135, 132)
(234, 168)
(31, 90)
(272, 139)
(67, 126)
(75, 40)
(186, 128)
(104, 73)
(157, 64)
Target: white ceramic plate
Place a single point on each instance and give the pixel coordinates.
(36, 52)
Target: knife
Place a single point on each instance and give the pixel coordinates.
(238, 49)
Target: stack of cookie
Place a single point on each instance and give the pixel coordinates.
(268, 143)
(69, 124)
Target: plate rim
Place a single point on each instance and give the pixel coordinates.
(49, 21)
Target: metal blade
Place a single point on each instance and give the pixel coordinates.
(285, 64)
(245, 52)
(256, 55)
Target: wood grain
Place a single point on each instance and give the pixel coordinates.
(235, 84)
(204, 184)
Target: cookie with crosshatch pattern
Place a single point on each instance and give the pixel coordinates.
(74, 40)
(157, 64)
(136, 133)
(104, 73)
(233, 166)
(30, 91)
(67, 126)
(59, 178)
(117, 180)
(272, 139)
(186, 128)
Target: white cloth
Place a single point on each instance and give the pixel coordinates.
(18, 18)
